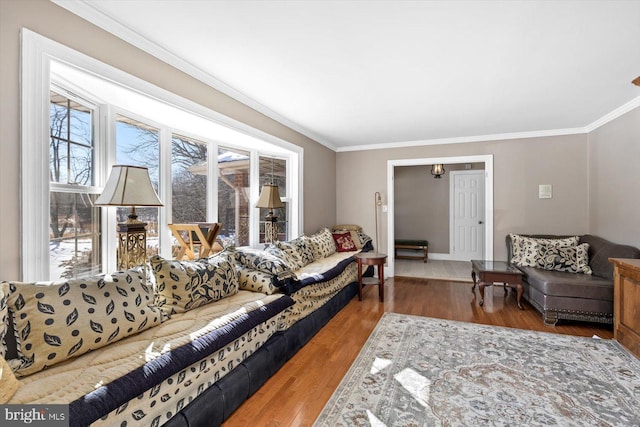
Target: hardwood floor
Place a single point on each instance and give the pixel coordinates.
(296, 394)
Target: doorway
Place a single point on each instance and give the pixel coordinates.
(488, 199)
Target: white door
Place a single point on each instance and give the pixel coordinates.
(467, 215)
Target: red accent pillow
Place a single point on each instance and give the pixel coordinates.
(344, 242)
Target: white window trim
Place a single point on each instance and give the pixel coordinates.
(36, 55)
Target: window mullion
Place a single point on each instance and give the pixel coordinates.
(254, 193)
(105, 152)
(164, 184)
(212, 182)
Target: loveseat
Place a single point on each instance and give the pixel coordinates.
(179, 343)
(567, 277)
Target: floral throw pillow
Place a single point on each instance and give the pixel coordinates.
(257, 281)
(264, 261)
(525, 251)
(322, 243)
(57, 321)
(184, 285)
(344, 242)
(570, 259)
(283, 256)
(298, 250)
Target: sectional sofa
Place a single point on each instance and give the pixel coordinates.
(179, 343)
(567, 277)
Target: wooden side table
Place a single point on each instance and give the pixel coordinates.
(487, 272)
(371, 258)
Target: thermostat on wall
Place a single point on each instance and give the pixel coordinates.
(545, 191)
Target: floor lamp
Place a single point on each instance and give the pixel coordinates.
(130, 186)
(378, 203)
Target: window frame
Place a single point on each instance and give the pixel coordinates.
(37, 54)
(72, 188)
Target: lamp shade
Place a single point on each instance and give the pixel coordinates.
(128, 186)
(269, 197)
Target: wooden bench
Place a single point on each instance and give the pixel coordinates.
(416, 245)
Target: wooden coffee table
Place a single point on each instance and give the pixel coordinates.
(488, 272)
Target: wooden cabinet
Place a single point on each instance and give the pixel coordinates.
(626, 303)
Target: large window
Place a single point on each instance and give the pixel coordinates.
(189, 177)
(74, 224)
(138, 144)
(233, 195)
(205, 167)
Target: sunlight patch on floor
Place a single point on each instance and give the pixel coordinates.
(416, 384)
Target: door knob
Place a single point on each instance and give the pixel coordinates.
(480, 222)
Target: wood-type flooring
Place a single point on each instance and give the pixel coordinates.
(296, 394)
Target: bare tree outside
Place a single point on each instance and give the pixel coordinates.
(74, 223)
(138, 144)
(189, 180)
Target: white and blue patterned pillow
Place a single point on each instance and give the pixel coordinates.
(184, 285)
(524, 248)
(283, 256)
(570, 259)
(264, 261)
(298, 250)
(257, 281)
(61, 320)
(322, 243)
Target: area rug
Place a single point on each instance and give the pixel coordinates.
(419, 371)
(455, 271)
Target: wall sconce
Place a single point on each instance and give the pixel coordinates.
(437, 170)
(130, 186)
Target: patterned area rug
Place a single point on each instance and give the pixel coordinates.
(419, 371)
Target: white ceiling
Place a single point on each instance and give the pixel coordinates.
(350, 74)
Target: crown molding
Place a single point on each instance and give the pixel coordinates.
(465, 139)
(92, 14)
(634, 103)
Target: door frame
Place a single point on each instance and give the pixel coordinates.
(452, 203)
(488, 198)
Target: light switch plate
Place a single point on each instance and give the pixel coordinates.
(545, 191)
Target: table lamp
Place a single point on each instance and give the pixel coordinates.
(130, 186)
(270, 199)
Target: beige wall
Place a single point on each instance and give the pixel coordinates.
(64, 27)
(614, 180)
(519, 167)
